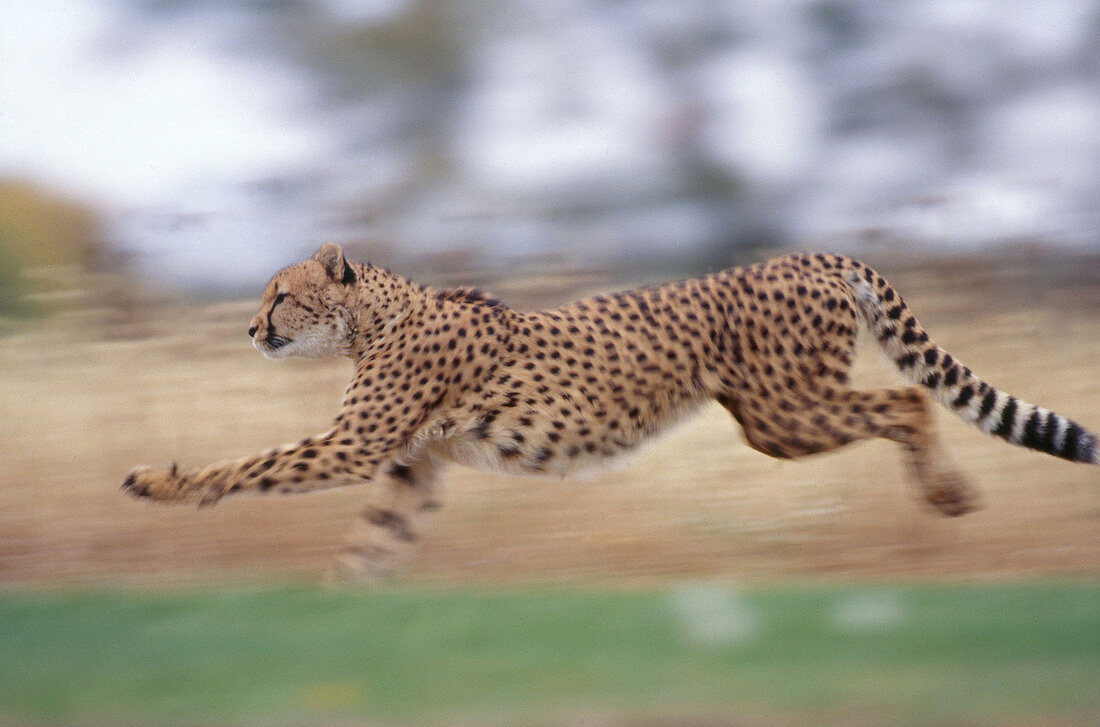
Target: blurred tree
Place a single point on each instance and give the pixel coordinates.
(40, 229)
(13, 288)
(43, 229)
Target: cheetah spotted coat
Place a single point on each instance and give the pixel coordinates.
(452, 375)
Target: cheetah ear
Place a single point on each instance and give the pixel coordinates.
(331, 256)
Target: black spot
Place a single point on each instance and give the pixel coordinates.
(391, 521)
(906, 361)
(931, 356)
(952, 376)
(481, 429)
(402, 472)
(964, 397)
(894, 313)
(467, 295)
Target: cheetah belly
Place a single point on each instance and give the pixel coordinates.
(482, 455)
(498, 451)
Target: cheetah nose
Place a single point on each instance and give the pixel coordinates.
(252, 331)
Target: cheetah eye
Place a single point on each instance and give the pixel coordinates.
(280, 298)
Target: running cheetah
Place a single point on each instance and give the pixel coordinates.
(454, 376)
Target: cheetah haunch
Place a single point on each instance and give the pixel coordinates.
(449, 375)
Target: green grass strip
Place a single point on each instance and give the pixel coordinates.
(898, 655)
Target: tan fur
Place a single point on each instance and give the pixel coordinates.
(453, 376)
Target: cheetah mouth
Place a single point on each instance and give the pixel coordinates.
(276, 342)
(272, 343)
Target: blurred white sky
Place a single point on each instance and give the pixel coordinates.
(131, 120)
(575, 128)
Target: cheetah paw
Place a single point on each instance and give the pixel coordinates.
(953, 496)
(168, 485)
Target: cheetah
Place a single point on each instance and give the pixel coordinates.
(455, 376)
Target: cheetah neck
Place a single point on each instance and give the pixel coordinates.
(380, 306)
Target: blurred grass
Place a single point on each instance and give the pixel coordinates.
(1026, 653)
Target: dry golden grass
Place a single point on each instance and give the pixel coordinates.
(83, 401)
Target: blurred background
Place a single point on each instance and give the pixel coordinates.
(208, 143)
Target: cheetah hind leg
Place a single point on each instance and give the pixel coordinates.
(820, 424)
(904, 415)
(385, 534)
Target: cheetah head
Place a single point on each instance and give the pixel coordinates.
(304, 308)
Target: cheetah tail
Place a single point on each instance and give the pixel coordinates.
(956, 386)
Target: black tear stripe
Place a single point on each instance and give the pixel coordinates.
(271, 314)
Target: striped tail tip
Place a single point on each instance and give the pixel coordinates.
(1087, 445)
(1052, 433)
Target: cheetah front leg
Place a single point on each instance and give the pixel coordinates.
(400, 503)
(314, 463)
